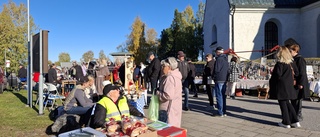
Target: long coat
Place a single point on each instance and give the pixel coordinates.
(101, 73)
(281, 82)
(302, 78)
(170, 96)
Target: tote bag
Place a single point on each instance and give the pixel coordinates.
(154, 107)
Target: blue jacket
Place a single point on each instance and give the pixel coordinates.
(221, 67)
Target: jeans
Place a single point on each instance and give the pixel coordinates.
(186, 92)
(78, 110)
(220, 90)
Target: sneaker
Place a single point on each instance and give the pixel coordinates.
(296, 125)
(232, 97)
(283, 125)
(196, 95)
(225, 115)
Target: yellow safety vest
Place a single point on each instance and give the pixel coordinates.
(114, 111)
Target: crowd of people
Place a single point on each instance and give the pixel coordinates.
(171, 80)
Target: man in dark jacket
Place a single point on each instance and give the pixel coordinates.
(220, 76)
(79, 76)
(112, 105)
(301, 79)
(153, 70)
(191, 77)
(22, 73)
(207, 74)
(184, 69)
(52, 74)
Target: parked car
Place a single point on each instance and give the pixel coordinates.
(3, 81)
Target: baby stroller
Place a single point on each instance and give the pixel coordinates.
(13, 82)
(92, 67)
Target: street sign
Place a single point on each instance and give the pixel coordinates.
(7, 63)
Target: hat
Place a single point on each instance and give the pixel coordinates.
(219, 48)
(188, 59)
(109, 87)
(59, 68)
(180, 53)
(150, 53)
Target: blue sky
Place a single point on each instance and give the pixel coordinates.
(77, 26)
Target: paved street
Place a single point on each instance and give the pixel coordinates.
(247, 116)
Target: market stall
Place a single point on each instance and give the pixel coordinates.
(130, 127)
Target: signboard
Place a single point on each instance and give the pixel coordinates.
(264, 61)
(7, 63)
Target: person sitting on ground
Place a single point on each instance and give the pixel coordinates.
(77, 101)
(112, 105)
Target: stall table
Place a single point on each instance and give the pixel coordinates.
(67, 82)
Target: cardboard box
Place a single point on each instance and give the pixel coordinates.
(152, 133)
(172, 132)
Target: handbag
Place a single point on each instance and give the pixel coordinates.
(294, 80)
(154, 107)
(210, 81)
(163, 114)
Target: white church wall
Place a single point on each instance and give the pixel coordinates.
(250, 29)
(309, 18)
(217, 13)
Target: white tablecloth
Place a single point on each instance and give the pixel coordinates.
(314, 86)
(252, 84)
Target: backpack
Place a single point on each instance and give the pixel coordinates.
(54, 114)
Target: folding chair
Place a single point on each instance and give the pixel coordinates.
(44, 94)
(53, 95)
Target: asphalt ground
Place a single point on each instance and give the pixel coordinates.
(247, 116)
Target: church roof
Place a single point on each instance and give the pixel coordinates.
(271, 3)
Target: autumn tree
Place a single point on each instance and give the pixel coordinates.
(13, 34)
(134, 37)
(49, 62)
(64, 57)
(122, 47)
(102, 55)
(88, 56)
(138, 43)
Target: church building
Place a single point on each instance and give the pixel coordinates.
(252, 27)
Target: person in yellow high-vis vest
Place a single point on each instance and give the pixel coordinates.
(112, 105)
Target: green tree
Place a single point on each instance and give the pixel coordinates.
(185, 33)
(102, 55)
(64, 57)
(87, 56)
(13, 34)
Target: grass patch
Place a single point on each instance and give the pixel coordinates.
(19, 120)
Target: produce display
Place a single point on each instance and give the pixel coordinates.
(128, 126)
